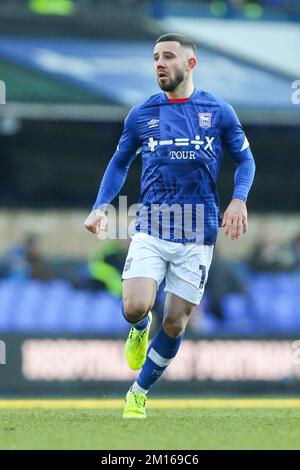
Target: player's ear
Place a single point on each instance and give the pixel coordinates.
(192, 62)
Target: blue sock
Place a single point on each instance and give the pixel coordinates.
(160, 353)
(141, 324)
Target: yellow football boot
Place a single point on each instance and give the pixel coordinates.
(135, 405)
(136, 346)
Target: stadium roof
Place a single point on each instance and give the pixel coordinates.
(269, 45)
(98, 72)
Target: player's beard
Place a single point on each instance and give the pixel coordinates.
(173, 83)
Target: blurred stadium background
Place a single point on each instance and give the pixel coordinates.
(72, 69)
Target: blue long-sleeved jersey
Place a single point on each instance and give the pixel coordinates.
(181, 146)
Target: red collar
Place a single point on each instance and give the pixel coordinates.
(177, 100)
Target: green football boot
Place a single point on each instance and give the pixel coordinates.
(135, 405)
(136, 346)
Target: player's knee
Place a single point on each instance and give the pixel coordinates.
(135, 310)
(174, 327)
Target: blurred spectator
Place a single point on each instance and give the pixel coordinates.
(51, 7)
(295, 249)
(25, 261)
(223, 279)
(104, 268)
(270, 255)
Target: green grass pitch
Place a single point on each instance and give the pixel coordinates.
(171, 424)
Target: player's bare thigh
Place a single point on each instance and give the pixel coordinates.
(176, 315)
(138, 297)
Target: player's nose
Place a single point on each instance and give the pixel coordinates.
(160, 64)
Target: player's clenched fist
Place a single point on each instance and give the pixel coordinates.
(96, 221)
(235, 219)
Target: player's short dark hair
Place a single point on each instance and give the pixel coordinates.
(185, 41)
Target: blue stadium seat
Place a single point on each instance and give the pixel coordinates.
(237, 314)
(210, 325)
(75, 315)
(106, 316)
(8, 295)
(52, 314)
(27, 306)
(272, 306)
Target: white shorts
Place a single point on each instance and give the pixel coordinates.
(184, 265)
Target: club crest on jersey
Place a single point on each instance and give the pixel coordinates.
(205, 120)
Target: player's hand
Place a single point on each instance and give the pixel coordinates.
(96, 221)
(235, 219)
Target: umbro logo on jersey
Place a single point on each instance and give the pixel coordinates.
(205, 120)
(153, 123)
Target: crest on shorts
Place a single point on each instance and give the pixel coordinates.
(128, 264)
(205, 120)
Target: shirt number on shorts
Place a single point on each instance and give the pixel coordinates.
(202, 268)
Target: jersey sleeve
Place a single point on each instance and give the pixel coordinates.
(236, 142)
(117, 169)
